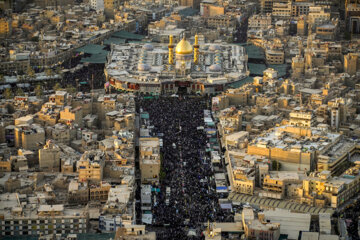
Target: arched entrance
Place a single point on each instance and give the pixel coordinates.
(182, 87)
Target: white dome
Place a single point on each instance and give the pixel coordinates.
(214, 47)
(143, 67)
(148, 47)
(215, 68)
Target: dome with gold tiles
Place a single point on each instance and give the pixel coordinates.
(183, 47)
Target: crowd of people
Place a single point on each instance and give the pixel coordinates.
(86, 77)
(187, 171)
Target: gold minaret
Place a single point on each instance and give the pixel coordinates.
(196, 50)
(171, 50)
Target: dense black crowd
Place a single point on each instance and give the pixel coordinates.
(87, 77)
(185, 165)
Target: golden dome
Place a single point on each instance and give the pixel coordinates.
(183, 47)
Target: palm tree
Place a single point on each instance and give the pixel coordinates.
(20, 92)
(39, 91)
(49, 72)
(70, 89)
(30, 72)
(8, 94)
(57, 87)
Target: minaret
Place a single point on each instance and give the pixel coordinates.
(196, 50)
(171, 50)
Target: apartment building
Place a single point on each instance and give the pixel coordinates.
(41, 219)
(91, 166)
(302, 118)
(49, 157)
(30, 137)
(149, 160)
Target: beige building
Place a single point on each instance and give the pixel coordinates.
(99, 192)
(297, 66)
(282, 9)
(5, 165)
(258, 21)
(49, 158)
(134, 232)
(302, 25)
(318, 15)
(320, 189)
(5, 27)
(149, 160)
(274, 56)
(241, 173)
(301, 118)
(78, 192)
(91, 166)
(30, 137)
(282, 144)
(221, 21)
(258, 228)
(36, 220)
(110, 6)
(210, 9)
(71, 115)
(351, 63)
(190, 3)
(59, 98)
(281, 184)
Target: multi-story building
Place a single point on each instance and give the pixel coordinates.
(49, 157)
(97, 5)
(99, 192)
(320, 189)
(4, 27)
(282, 9)
(283, 144)
(278, 184)
(34, 219)
(300, 8)
(190, 3)
(352, 16)
(30, 137)
(258, 21)
(134, 232)
(149, 160)
(318, 15)
(301, 118)
(351, 63)
(91, 166)
(241, 174)
(78, 192)
(71, 115)
(5, 165)
(59, 98)
(274, 56)
(110, 6)
(210, 8)
(221, 21)
(257, 228)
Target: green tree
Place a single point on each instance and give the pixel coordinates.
(58, 70)
(39, 91)
(71, 89)
(276, 166)
(57, 87)
(30, 72)
(20, 92)
(49, 72)
(8, 94)
(20, 78)
(2, 78)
